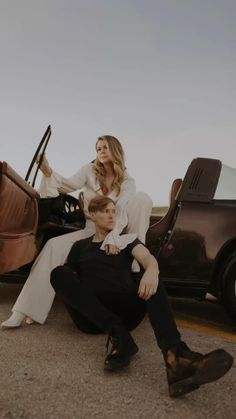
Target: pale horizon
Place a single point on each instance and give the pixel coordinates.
(160, 76)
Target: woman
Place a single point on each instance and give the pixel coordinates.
(106, 176)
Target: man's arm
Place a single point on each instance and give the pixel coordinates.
(150, 279)
(72, 259)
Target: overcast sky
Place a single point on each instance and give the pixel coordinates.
(158, 74)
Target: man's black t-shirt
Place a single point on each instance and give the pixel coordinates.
(93, 264)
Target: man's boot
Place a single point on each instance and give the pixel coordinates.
(188, 370)
(123, 348)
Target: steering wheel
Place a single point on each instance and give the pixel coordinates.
(74, 208)
(71, 203)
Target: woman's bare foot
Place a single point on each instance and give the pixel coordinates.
(28, 320)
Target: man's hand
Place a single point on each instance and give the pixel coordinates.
(150, 279)
(44, 166)
(111, 249)
(148, 285)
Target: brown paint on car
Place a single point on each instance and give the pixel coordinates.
(18, 220)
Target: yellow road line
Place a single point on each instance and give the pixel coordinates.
(206, 329)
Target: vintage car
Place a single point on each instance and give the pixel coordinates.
(194, 242)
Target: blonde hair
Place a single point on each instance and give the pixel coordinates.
(118, 159)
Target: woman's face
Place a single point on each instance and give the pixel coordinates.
(103, 152)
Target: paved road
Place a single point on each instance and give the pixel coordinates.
(208, 317)
(54, 371)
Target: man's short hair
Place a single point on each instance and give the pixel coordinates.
(99, 203)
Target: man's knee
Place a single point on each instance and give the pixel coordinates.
(57, 275)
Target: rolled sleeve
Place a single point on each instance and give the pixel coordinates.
(118, 240)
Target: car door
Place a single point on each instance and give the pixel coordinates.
(19, 213)
(187, 256)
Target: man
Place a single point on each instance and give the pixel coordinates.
(101, 296)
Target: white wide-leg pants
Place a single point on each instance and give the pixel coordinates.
(37, 294)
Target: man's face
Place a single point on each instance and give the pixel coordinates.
(105, 219)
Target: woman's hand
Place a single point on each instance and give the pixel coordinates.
(44, 165)
(111, 249)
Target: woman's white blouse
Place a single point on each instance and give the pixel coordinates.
(85, 179)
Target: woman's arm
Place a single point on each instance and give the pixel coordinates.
(55, 183)
(128, 189)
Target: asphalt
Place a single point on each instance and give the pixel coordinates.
(54, 371)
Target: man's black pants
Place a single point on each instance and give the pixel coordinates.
(96, 307)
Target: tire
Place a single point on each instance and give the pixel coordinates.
(228, 287)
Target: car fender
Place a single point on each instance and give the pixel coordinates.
(224, 259)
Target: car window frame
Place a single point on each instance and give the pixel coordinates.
(40, 150)
(226, 189)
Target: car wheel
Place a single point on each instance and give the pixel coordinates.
(228, 287)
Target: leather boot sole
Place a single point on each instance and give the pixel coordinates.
(215, 367)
